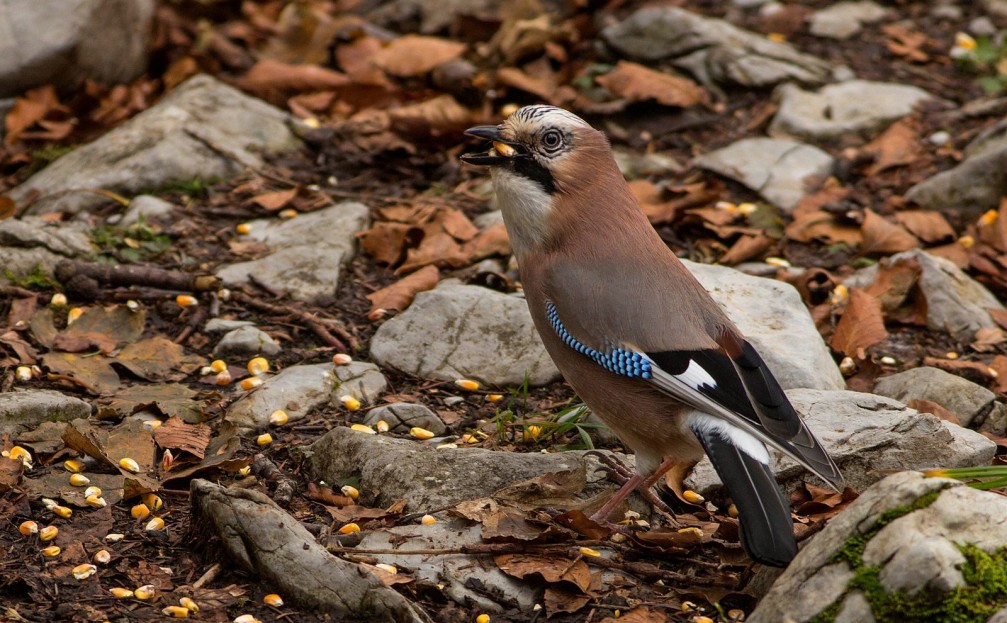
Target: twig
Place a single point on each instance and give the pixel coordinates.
(195, 320)
(84, 278)
(267, 470)
(210, 575)
(16, 291)
(73, 380)
(309, 319)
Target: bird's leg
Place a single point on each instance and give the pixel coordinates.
(613, 466)
(633, 483)
(601, 516)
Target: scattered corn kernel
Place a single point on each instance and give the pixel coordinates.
(349, 528)
(153, 501)
(258, 365)
(95, 501)
(189, 604)
(49, 503)
(532, 432)
(23, 374)
(839, 294)
(79, 480)
(420, 433)
(152, 425)
(287, 213)
(132, 305)
(747, 208)
(993, 373)
(223, 378)
(58, 299)
(692, 497)
(988, 218)
(28, 528)
(145, 592)
(250, 383)
(483, 618)
(888, 360)
(186, 300)
(74, 466)
(702, 619)
(363, 428)
(243, 228)
(467, 438)
(350, 402)
(278, 417)
(102, 557)
(73, 315)
(618, 537)
(468, 384)
(847, 366)
(688, 606)
(428, 520)
(63, 511)
(691, 530)
(114, 537)
(48, 533)
(273, 600)
(218, 365)
(167, 459)
(264, 439)
(246, 618)
(631, 515)
(17, 452)
(726, 206)
(245, 471)
(387, 567)
(121, 593)
(92, 490)
(587, 551)
(350, 492)
(779, 262)
(382, 426)
(965, 41)
(732, 511)
(952, 355)
(52, 551)
(129, 465)
(446, 446)
(140, 511)
(967, 241)
(84, 571)
(736, 614)
(341, 359)
(777, 37)
(175, 612)
(494, 397)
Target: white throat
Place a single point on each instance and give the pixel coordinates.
(526, 208)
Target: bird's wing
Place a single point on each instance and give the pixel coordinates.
(663, 328)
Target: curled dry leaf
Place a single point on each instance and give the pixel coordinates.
(273, 201)
(929, 406)
(930, 227)
(438, 116)
(415, 55)
(542, 86)
(387, 242)
(882, 236)
(269, 77)
(639, 614)
(861, 326)
(898, 145)
(638, 83)
(400, 294)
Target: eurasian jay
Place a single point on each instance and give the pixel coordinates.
(639, 339)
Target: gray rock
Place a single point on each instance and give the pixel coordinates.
(867, 435)
(999, 617)
(359, 379)
(960, 396)
(914, 528)
(64, 42)
(457, 331)
(203, 129)
(996, 8)
(982, 26)
(946, 9)
(148, 208)
(21, 411)
(857, 108)
(635, 164)
(433, 17)
(297, 390)
(713, 50)
(310, 252)
(990, 140)
(856, 609)
(404, 469)
(842, 20)
(967, 190)
(30, 244)
(780, 170)
(773, 317)
(403, 416)
(223, 325)
(246, 342)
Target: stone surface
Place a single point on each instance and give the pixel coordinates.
(866, 435)
(147, 208)
(852, 108)
(780, 170)
(842, 20)
(223, 325)
(203, 129)
(635, 164)
(713, 50)
(64, 42)
(296, 390)
(967, 190)
(246, 342)
(457, 331)
(965, 399)
(916, 552)
(309, 252)
(359, 379)
(772, 316)
(402, 416)
(21, 411)
(29, 243)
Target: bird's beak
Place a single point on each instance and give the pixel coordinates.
(501, 151)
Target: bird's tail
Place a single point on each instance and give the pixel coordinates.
(767, 532)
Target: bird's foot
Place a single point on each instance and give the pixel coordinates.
(612, 467)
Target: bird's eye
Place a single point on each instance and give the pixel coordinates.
(552, 140)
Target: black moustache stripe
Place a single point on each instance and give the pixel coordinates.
(531, 169)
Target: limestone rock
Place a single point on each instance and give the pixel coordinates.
(148, 208)
(359, 379)
(296, 390)
(967, 190)
(21, 411)
(29, 244)
(965, 399)
(403, 416)
(246, 342)
(842, 20)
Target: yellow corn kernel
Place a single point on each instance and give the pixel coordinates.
(223, 378)
(74, 466)
(468, 384)
(952, 355)
(49, 503)
(167, 459)
(494, 397)
(747, 208)
(189, 604)
(120, 593)
(888, 360)
(483, 618)
(428, 520)
(839, 294)
(341, 359)
(246, 618)
(467, 438)
(132, 305)
(129, 465)
(349, 528)
(243, 228)
(264, 439)
(73, 315)
(63, 511)
(153, 501)
(145, 592)
(504, 149)
(152, 425)
(532, 432)
(17, 452)
(250, 383)
(732, 511)
(175, 612)
(79, 480)
(988, 218)
(382, 426)
(350, 402)
(363, 428)
(967, 241)
(965, 41)
(691, 530)
(258, 365)
(273, 600)
(445, 446)
(102, 557)
(95, 501)
(23, 374)
(735, 614)
(287, 213)
(51, 552)
(245, 471)
(278, 417)
(84, 571)
(92, 490)
(58, 299)
(776, 37)
(779, 262)
(140, 511)
(847, 366)
(726, 206)
(692, 497)
(587, 551)
(28, 528)
(702, 619)
(420, 433)
(350, 492)
(186, 300)
(688, 606)
(218, 365)
(387, 567)
(114, 537)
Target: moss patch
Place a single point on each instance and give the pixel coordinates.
(37, 278)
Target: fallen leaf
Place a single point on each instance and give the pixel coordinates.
(10, 473)
(94, 371)
(543, 87)
(491, 241)
(929, 406)
(747, 248)
(898, 145)
(269, 77)
(551, 568)
(78, 342)
(191, 438)
(112, 327)
(905, 43)
(999, 365)
(439, 116)
(440, 249)
(987, 339)
(158, 359)
(400, 295)
(639, 614)
(930, 227)
(28, 110)
(638, 83)
(563, 599)
(884, 237)
(387, 242)
(861, 326)
(275, 200)
(8, 207)
(415, 55)
(457, 225)
(172, 400)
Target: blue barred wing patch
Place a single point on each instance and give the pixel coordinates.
(616, 360)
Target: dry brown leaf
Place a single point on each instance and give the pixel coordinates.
(638, 83)
(442, 115)
(822, 226)
(438, 248)
(543, 87)
(457, 224)
(552, 568)
(999, 365)
(29, 109)
(387, 242)
(639, 614)
(906, 43)
(177, 435)
(400, 294)
(268, 77)
(560, 598)
(415, 55)
(158, 359)
(929, 406)
(987, 339)
(861, 326)
(491, 241)
(10, 473)
(746, 248)
(273, 201)
(8, 207)
(954, 253)
(930, 227)
(882, 236)
(898, 145)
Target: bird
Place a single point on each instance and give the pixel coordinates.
(640, 341)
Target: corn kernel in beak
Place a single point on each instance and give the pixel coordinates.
(79, 480)
(140, 511)
(145, 592)
(120, 593)
(342, 359)
(349, 528)
(264, 439)
(28, 528)
(428, 520)
(48, 533)
(156, 524)
(186, 300)
(153, 501)
(273, 600)
(587, 551)
(58, 299)
(504, 149)
(278, 417)
(350, 402)
(420, 433)
(63, 511)
(176, 612)
(692, 497)
(350, 492)
(258, 365)
(468, 384)
(250, 383)
(84, 571)
(52, 551)
(189, 604)
(74, 466)
(382, 426)
(129, 465)
(102, 557)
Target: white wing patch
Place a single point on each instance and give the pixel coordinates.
(695, 376)
(743, 440)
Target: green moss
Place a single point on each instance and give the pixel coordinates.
(37, 278)
(983, 594)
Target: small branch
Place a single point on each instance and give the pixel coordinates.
(267, 470)
(309, 319)
(84, 278)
